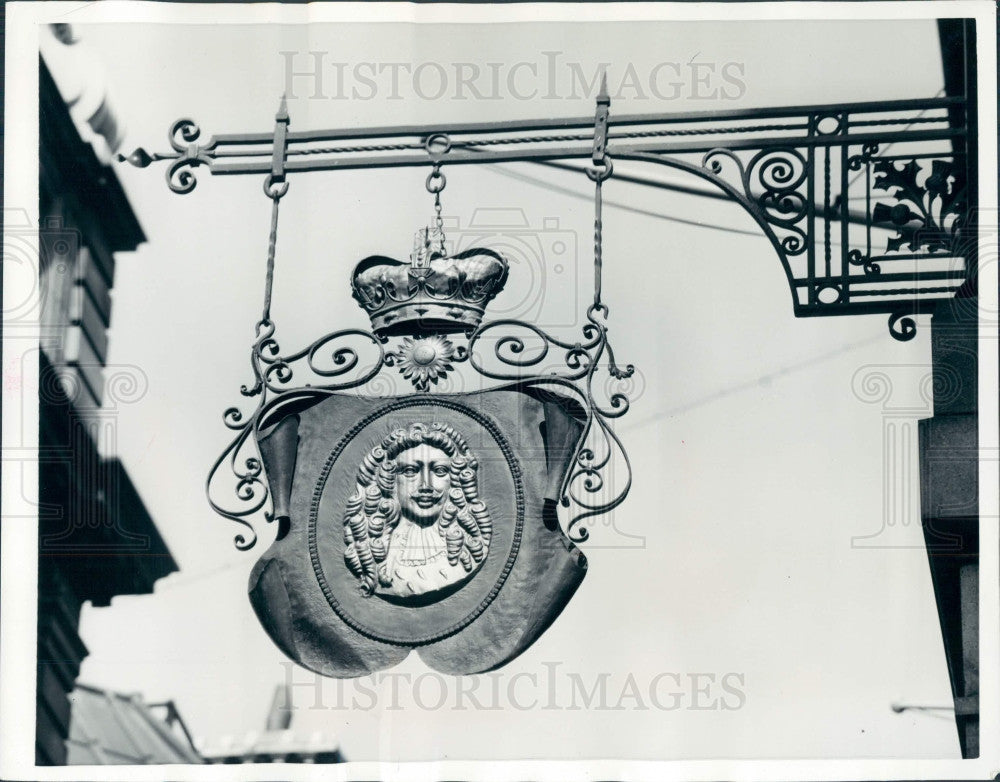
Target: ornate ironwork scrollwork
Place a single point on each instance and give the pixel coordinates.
(770, 188)
(273, 372)
(597, 450)
(902, 326)
(598, 444)
(777, 175)
(183, 135)
(250, 488)
(857, 258)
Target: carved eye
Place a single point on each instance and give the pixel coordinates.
(410, 469)
(440, 471)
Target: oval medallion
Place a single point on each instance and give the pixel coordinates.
(416, 520)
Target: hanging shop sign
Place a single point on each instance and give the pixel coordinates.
(430, 519)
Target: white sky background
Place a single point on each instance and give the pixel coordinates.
(755, 461)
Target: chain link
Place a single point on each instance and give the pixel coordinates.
(436, 182)
(438, 220)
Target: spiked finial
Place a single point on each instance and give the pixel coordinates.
(139, 158)
(603, 99)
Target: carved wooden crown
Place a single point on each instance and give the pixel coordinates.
(442, 294)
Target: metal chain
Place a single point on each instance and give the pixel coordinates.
(436, 182)
(275, 187)
(438, 220)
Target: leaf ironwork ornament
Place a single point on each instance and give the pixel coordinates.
(928, 215)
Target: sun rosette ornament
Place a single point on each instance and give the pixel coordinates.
(424, 360)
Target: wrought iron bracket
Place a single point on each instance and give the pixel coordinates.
(868, 206)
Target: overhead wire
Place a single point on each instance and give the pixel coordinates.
(628, 207)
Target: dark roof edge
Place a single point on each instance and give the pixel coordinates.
(97, 187)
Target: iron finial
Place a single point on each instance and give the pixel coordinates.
(603, 99)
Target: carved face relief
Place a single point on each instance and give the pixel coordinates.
(423, 478)
(415, 524)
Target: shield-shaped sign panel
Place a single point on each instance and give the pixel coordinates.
(418, 522)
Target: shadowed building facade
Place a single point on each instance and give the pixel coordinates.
(96, 538)
(949, 441)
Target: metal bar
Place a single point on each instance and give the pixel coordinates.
(791, 141)
(845, 232)
(811, 288)
(827, 222)
(461, 156)
(912, 291)
(913, 256)
(512, 126)
(887, 307)
(862, 279)
(868, 208)
(455, 157)
(280, 148)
